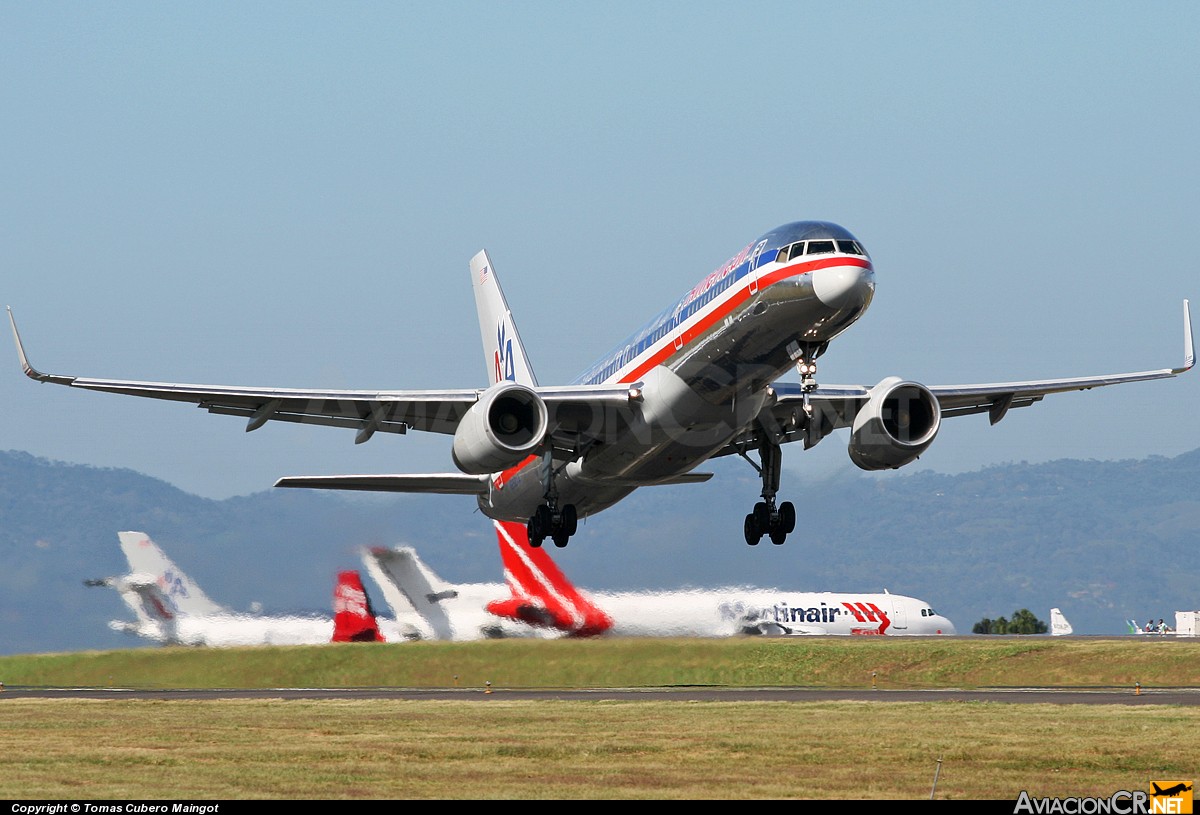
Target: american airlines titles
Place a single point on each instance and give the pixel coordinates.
(717, 276)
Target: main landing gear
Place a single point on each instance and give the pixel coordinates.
(767, 518)
(550, 522)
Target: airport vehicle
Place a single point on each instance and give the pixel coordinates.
(700, 380)
(172, 609)
(1059, 627)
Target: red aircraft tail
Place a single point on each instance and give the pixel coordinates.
(541, 594)
(353, 617)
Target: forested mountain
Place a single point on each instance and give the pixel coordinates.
(1102, 540)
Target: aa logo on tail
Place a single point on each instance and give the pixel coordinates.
(505, 369)
(1170, 797)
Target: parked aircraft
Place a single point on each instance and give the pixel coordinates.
(538, 594)
(446, 611)
(172, 609)
(700, 380)
(1059, 627)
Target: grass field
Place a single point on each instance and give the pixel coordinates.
(338, 749)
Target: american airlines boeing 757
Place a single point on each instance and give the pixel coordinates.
(700, 379)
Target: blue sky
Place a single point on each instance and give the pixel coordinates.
(287, 194)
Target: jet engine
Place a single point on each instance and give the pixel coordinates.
(897, 424)
(506, 425)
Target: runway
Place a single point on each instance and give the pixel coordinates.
(1056, 696)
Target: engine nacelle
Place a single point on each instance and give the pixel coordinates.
(506, 425)
(897, 424)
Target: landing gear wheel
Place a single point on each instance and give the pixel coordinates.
(535, 540)
(752, 530)
(570, 523)
(561, 539)
(762, 516)
(787, 518)
(540, 525)
(778, 536)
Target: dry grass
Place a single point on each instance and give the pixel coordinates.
(274, 749)
(507, 749)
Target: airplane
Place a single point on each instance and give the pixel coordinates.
(701, 379)
(537, 595)
(541, 593)
(444, 610)
(1059, 627)
(172, 609)
(1173, 790)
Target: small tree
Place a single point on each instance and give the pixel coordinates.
(1023, 622)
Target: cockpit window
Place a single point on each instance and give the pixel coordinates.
(821, 247)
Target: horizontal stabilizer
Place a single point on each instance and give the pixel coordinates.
(439, 483)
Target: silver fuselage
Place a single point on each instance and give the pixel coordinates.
(705, 368)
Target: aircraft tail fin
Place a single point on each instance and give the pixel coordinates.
(354, 619)
(541, 594)
(412, 589)
(503, 352)
(1058, 624)
(180, 593)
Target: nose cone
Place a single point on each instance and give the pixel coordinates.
(946, 627)
(844, 286)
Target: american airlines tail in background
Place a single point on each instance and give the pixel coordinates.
(170, 608)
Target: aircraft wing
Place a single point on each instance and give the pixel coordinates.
(835, 406)
(578, 414)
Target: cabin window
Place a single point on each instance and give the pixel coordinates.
(820, 247)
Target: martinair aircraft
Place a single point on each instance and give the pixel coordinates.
(701, 379)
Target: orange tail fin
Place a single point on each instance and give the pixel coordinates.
(541, 594)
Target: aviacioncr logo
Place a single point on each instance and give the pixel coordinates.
(505, 366)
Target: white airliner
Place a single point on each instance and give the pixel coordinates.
(537, 594)
(171, 609)
(444, 610)
(700, 379)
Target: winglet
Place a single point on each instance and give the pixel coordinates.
(1189, 351)
(30, 371)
